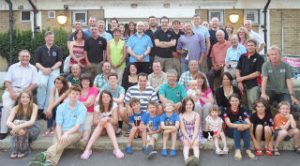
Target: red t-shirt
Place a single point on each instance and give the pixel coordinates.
(92, 91)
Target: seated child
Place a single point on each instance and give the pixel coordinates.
(151, 121)
(169, 122)
(70, 117)
(134, 121)
(193, 91)
(214, 123)
(285, 127)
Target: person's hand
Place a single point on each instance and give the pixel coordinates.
(129, 111)
(240, 127)
(48, 114)
(46, 71)
(294, 100)
(264, 96)
(241, 88)
(239, 79)
(290, 117)
(140, 58)
(13, 95)
(177, 106)
(191, 142)
(64, 139)
(88, 64)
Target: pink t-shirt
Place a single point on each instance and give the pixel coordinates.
(92, 91)
(205, 95)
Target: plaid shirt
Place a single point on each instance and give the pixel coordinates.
(100, 81)
(186, 77)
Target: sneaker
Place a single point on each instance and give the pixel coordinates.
(173, 152)
(164, 152)
(144, 149)
(86, 155)
(118, 153)
(238, 155)
(47, 163)
(128, 150)
(192, 161)
(297, 150)
(3, 135)
(151, 155)
(41, 157)
(258, 152)
(276, 152)
(251, 155)
(219, 152)
(225, 150)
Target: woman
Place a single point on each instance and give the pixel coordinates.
(122, 29)
(21, 121)
(130, 77)
(189, 132)
(229, 29)
(130, 30)
(261, 127)
(87, 97)
(243, 36)
(225, 91)
(57, 94)
(105, 119)
(77, 50)
(116, 53)
(238, 126)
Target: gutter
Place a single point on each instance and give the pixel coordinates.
(11, 26)
(35, 11)
(265, 25)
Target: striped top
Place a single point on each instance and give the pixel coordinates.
(145, 96)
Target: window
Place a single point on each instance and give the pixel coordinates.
(25, 16)
(51, 14)
(80, 16)
(216, 13)
(252, 15)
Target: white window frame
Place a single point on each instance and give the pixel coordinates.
(51, 14)
(256, 15)
(84, 22)
(21, 14)
(221, 19)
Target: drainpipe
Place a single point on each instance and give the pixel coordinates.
(265, 25)
(11, 26)
(35, 11)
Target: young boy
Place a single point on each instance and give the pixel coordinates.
(285, 127)
(151, 121)
(70, 117)
(169, 122)
(137, 130)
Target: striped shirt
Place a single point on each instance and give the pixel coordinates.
(145, 96)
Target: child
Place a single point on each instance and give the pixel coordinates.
(214, 123)
(189, 132)
(285, 127)
(169, 122)
(70, 117)
(152, 124)
(137, 130)
(193, 91)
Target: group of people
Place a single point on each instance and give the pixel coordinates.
(187, 81)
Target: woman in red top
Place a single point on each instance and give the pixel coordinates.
(77, 49)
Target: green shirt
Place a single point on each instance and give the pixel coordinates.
(277, 76)
(176, 94)
(116, 52)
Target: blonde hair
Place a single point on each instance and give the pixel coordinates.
(192, 82)
(284, 103)
(214, 108)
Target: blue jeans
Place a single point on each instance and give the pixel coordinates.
(237, 135)
(51, 121)
(278, 97)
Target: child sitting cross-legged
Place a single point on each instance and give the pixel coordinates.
(151, 121)
(169, 122)
(136, 129)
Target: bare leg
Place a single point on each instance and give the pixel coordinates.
(268, 137)
(258, 136)
(196, 149)
(186, 149)
(112, 135)
(165, 139)
(281, 135)
(97, 132)
(174, 138)
(294, 133)
(131, 135)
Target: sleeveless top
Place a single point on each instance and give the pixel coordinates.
(189, 126)
(116, 52)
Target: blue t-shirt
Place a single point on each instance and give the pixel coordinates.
(136, 118)
(139, 45)
(152, 122)
(68, 118)
(169, 121)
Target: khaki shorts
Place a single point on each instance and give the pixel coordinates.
(88, 121)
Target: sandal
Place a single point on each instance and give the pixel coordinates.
(47, 133)
(268, 152)
(118, 153)
(21, 155)
(126, 134)
(258, 152)
(86, 155)
(13, 155)
(276, 152)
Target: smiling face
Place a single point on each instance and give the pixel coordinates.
(25, 99)
(284, 110)
(58, 84)
(226, 81)
(169, 108)
(112, 80)
(49, 39)
(142, 82)
(75, 70)
(234, 102)
(106, 99)
(152, 109)
(274, 56)
(214, 114)
(260, 108)
(164, 23)
(24, 58)
(189, 105)
(251, 47)
(136, 107)
(132, 69)
(85, 83)
(74, 95)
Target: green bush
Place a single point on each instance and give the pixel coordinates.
(25, 40)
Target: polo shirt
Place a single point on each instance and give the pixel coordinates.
(164, 37)
(234, 54)
(72, 80)
(248, 65)
(115, 93)
(176, 94)
(136, 118)
(68, 118)
(169, 120)
(106, 36)
(195, 44)
(95, 49)
(218, 53)
(139, 45)
(152, 122)
(201, 30)
(48, 57)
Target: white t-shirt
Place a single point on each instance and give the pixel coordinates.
(105, 114)
(213, 124)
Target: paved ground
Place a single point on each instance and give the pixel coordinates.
(208, 158)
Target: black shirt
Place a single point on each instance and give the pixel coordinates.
(72, 37)
(240, 115)
(164, 37)
(248, 65)
(177, 37)
(151, 33)
(48, 57)
(266, 121)
(95, 49)
(222, 99)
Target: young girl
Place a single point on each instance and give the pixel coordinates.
(189, 132)
(285, 127)
(214, 123)
(21, 121)
(87, 97)
(57, 94)
(169, 122)
(261, 127)
(238, 124)
(134, 121)
(105, 118)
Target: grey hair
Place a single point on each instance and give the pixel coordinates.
(172, 72)
(221, 31)
(275, 48)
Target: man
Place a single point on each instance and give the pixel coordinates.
(164, 40)
(138, 47)
(70, 117)
(255, 36)
(48, 62)
(218, 55)
(77, 27)
(157, 77)
(248, 72)
(194, 44)
(20, 76)
(172, 92)
(277, 83)
(176, 29)
(91, 23)
(150, 32)
(114, 23)
(102, 32)
(94, 48)
(200, 29)
(101, 80)
(189, 75)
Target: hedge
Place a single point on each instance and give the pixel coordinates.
(24, 40)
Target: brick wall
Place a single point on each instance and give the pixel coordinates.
(4, 19)
(18, 24)
(99, 14)
(52, 22)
